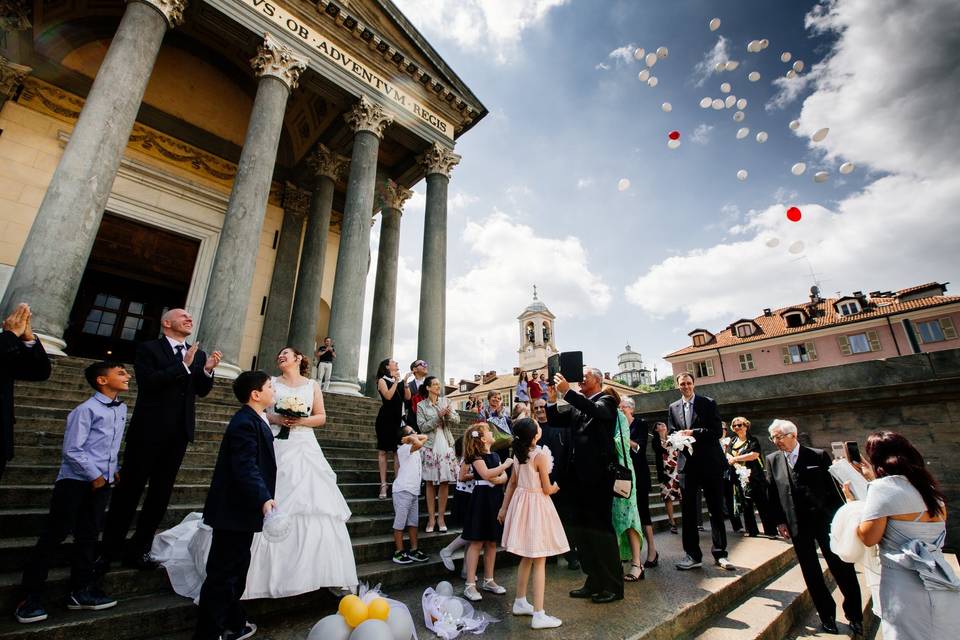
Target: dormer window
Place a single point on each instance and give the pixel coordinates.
(794, 319)
(699, 340)
(745, 330)
(849, 308)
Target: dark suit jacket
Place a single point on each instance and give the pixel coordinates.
(814, 498)
(591, 422)
(705, 422)
(640, 433)
(245, 475)
(17, 362)
(558, 441)
(166, 393)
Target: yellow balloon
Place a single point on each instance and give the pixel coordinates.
(356, 612)
(378, 609)
(345, 602)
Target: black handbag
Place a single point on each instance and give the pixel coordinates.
(622, 477)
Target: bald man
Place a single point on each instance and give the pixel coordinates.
(170, 375)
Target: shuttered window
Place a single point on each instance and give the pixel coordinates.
(797, 353)
(859, 343)
(702, 369)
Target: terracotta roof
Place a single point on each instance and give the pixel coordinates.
(508, 382)
(774, 325)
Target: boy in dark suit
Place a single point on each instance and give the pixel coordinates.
(241, 494)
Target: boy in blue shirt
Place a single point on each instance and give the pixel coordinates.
(91, 445)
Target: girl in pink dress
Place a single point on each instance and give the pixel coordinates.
(531, 526)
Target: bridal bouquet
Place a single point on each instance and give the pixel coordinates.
(743, 474)
(290, 407)
(680, 442)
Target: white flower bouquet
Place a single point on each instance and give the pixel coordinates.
(743, 474)
(679, 442)
(290, 407)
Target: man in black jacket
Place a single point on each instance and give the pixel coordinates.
(21, 358)
(803, 501)
(170, 375)
(241, 495)
(558, 441)
(591, 420)
(699, 417)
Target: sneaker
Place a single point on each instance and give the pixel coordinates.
(542, 621)
(446, 557)
(90, 599)
(418, 556)
(249, 630)
(688, 563)
(401, 557)
(470, 592)
(492, 587)
(30, 610)
(723, 563)
(522, 608)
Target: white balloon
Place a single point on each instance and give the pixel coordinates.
(706, 102)
(652, 81)
(739, 116)
(762, 137)
(785, 56)
(797, 247)
(667, 107)
(372, 629)
(764, 43)
(753, 46)
(821, 176)
(717, 104)
(725, 87)
(651, 59)
(623, 184)
(662, 52)
(798, 66)
(639, 53)
(846, 168)
(773, 242)
(794, 124)
(714, 24)
(820, 134)
(798, 168)
(719, 67)
(742, 175)
(753, 76)
(444, 588)
(453, 607)
(730, 101)
(644, 75)
(400, 622)
(743, 132)
(333, 627)
(732, 65)
(673, 144)
(742, 104)
(791, 74)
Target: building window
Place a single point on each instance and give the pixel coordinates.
(859, 343)
(794, 320)
(746, 362)
(936, 330)
(699, 340)
(702, 369)
(850, 308)
(797, 353)
(745, 330)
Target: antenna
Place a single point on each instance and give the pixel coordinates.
(534, 292)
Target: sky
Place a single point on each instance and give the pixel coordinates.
(535, 199)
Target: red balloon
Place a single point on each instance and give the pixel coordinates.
(674, 135)
(793, 214)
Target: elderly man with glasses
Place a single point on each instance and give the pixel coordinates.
(803, 500)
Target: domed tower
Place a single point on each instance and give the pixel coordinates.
(536, 335)
(632, 372)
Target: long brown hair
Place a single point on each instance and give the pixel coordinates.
(610, 391)
(473, 444)
(304, 360)
(891, 454)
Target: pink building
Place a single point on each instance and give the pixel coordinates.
(823, 333)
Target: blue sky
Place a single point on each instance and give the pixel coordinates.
(536, 199)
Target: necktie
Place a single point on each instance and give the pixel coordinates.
(791, 460)
(686, 420)
(179, 350)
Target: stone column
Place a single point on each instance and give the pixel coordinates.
(384, 317)
(368, 120)
(438, 161)
(228, 294)
(11, 79)
(55, 254)
(328, 167)
(276, 317)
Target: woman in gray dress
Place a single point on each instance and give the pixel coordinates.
(905, 513)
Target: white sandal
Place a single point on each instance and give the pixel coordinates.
(492, 587)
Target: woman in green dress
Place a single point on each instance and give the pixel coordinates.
(626, 517)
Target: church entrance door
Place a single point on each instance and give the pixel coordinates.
(135, 273)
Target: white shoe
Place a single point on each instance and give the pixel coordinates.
(492, 587)
(723, 563)
(470, 592)
(542, 621)
(447, 558)
(522, 608)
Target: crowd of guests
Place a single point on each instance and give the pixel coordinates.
(550, 479)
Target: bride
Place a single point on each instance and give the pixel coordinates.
(317, 553)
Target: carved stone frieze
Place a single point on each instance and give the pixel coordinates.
(439, 159)
(329, 163)
(11, 77)
(172, 10)
(279, 61)
(295, 199)
(368, 116)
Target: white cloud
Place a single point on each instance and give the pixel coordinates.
(584, 183)
(487, 25)
(624, 54)
(711, 58)
(701, 135)
(460, 201)
(789, 89)
(900, 229)
(602, 67)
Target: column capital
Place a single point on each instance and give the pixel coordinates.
(439, 159)
(327, 162)
(295, 199)
(279, 61)
(368, 116)
(11, 77)
(393, 196)
(14, 15)
(172, 10)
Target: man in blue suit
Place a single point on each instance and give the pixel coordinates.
(240, 496)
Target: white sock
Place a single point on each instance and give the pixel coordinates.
(522, 602)
(457, 543)
(540, 613)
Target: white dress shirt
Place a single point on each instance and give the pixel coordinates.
(791, 456)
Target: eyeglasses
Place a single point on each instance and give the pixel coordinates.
(419, 363)
(781, 436)
(737, 424)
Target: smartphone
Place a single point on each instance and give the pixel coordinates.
(853, 451)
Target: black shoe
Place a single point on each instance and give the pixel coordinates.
(402, 557)
(248, 631)
(90, 599)
(649, 564)
(574, 565)
(856, 628)
(606, 596)
(673, 529)
(700, 527)
(30, 610)
(418, 556)
(830, 626)
(582, 592)
(141, 562)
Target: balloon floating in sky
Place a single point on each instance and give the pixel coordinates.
(739, 116)
(764, 43)
(725, 87)
(719, 67)
(674, 135)
(644, 75)
(797, 247)
(791, 74)
(662, 52)
(639, 53)
(651, 59)
(798, 169)
(717, 104)
(667, 107)
(743, 132)
(762, 137)
(753, 76)
(673, 144)
(846, 168)
(753, 46)
(732, 65)
(794, 124)
(793, 214)
(652, 81)
(773, 242)
(742, 104)
(820, 134)
(821, 176)
(623, 185)
(730, 101)
(742, 175)
(714, 24)
(706, 102)
(785, 56)
(798, 66)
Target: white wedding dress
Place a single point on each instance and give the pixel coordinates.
(316, 554)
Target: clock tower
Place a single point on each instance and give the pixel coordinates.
(536, 325)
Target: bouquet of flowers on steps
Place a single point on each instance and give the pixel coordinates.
(290, 407)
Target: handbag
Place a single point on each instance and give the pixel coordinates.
(622, 476)
(501, 439)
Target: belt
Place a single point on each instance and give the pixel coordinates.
(483, 483)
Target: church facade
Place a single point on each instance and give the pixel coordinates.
(228, 157)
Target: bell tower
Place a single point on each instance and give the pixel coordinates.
(536, 325)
